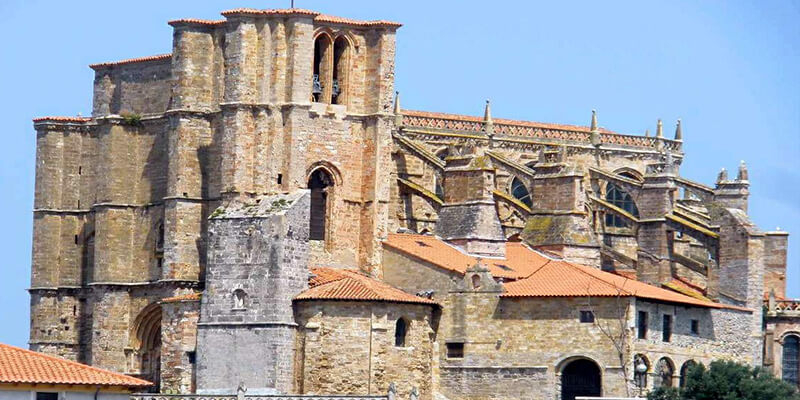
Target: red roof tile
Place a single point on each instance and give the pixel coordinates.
(537, 275)
(317, 16)
(131, 61)
(344, 284)
(62, 119)
(562, 279)
(520, 262)
(195, 21)
(24, 366)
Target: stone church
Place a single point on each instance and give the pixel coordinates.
(256, 208)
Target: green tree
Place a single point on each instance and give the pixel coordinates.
(726, 380)
(664, 394)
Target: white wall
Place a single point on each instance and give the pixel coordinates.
(63, 395)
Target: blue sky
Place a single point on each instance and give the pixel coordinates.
(730, 70)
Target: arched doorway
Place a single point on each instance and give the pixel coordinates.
(319, 182)
(147, 343)
(790, 362)
(685, 371)
(580, 378)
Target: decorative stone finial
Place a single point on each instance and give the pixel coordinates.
(722, 176)
(595, 134)
(647, 133)
(398, 116)
(487, 119)
(414, 394)
(392, 391)
(659, 129)
(678, 132)
(742, 175)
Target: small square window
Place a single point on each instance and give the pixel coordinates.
(192, 356)
(695, 327)
(46, 396)
(587, 316)
(455, 350)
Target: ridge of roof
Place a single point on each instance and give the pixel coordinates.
(18, 365)
(345, 284)
(158, 57)
(502, 121)
(62, 119)
(318, 17)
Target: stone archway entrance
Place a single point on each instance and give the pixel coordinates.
(580, 378)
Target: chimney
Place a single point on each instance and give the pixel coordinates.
(468, 218)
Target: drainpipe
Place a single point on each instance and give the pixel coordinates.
(369, 362)
(96, 392)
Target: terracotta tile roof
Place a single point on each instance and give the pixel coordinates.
(520, 262)
(183, 297)
(131, 61)
(345, 284)
(537, 275)
(24, 366)
(562, 279)
(195, 21)
(317, 16)
(471, 118)
(62, 119)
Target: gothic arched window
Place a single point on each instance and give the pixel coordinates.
(791, 360)
(520, 192)
(400, 331)
(620, 198)
(319, 182)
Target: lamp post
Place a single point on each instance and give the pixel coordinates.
(640, 371)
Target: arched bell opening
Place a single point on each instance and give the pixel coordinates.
(341, 59)
(320, 85)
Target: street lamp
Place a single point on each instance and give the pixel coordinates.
(640, 372)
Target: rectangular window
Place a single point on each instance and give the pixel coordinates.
(192, 356)
(455, 350)
(641, 325)
(587, 316)
(46, 396)
(666, 330)
(280, 179)
(695, 327)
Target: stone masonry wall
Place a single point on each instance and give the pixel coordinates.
(178, 345)
(258, 261)
(349, 348)
(139, 88)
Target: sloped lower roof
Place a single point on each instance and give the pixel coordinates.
(345, 284)
(538, 275)
(520, 261)
(24, 366)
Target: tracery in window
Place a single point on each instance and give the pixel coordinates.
(620, 198)
(791, 360)
(520, 192)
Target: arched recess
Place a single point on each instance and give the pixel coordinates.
(520, 192)
(790, 359)
(665, 369)
(622, 199)
(580, 376)
(630, 173)
(146, 343)
(321, 182)
(400, 332)
(320, 86)
(341, 69)
(685, 371)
